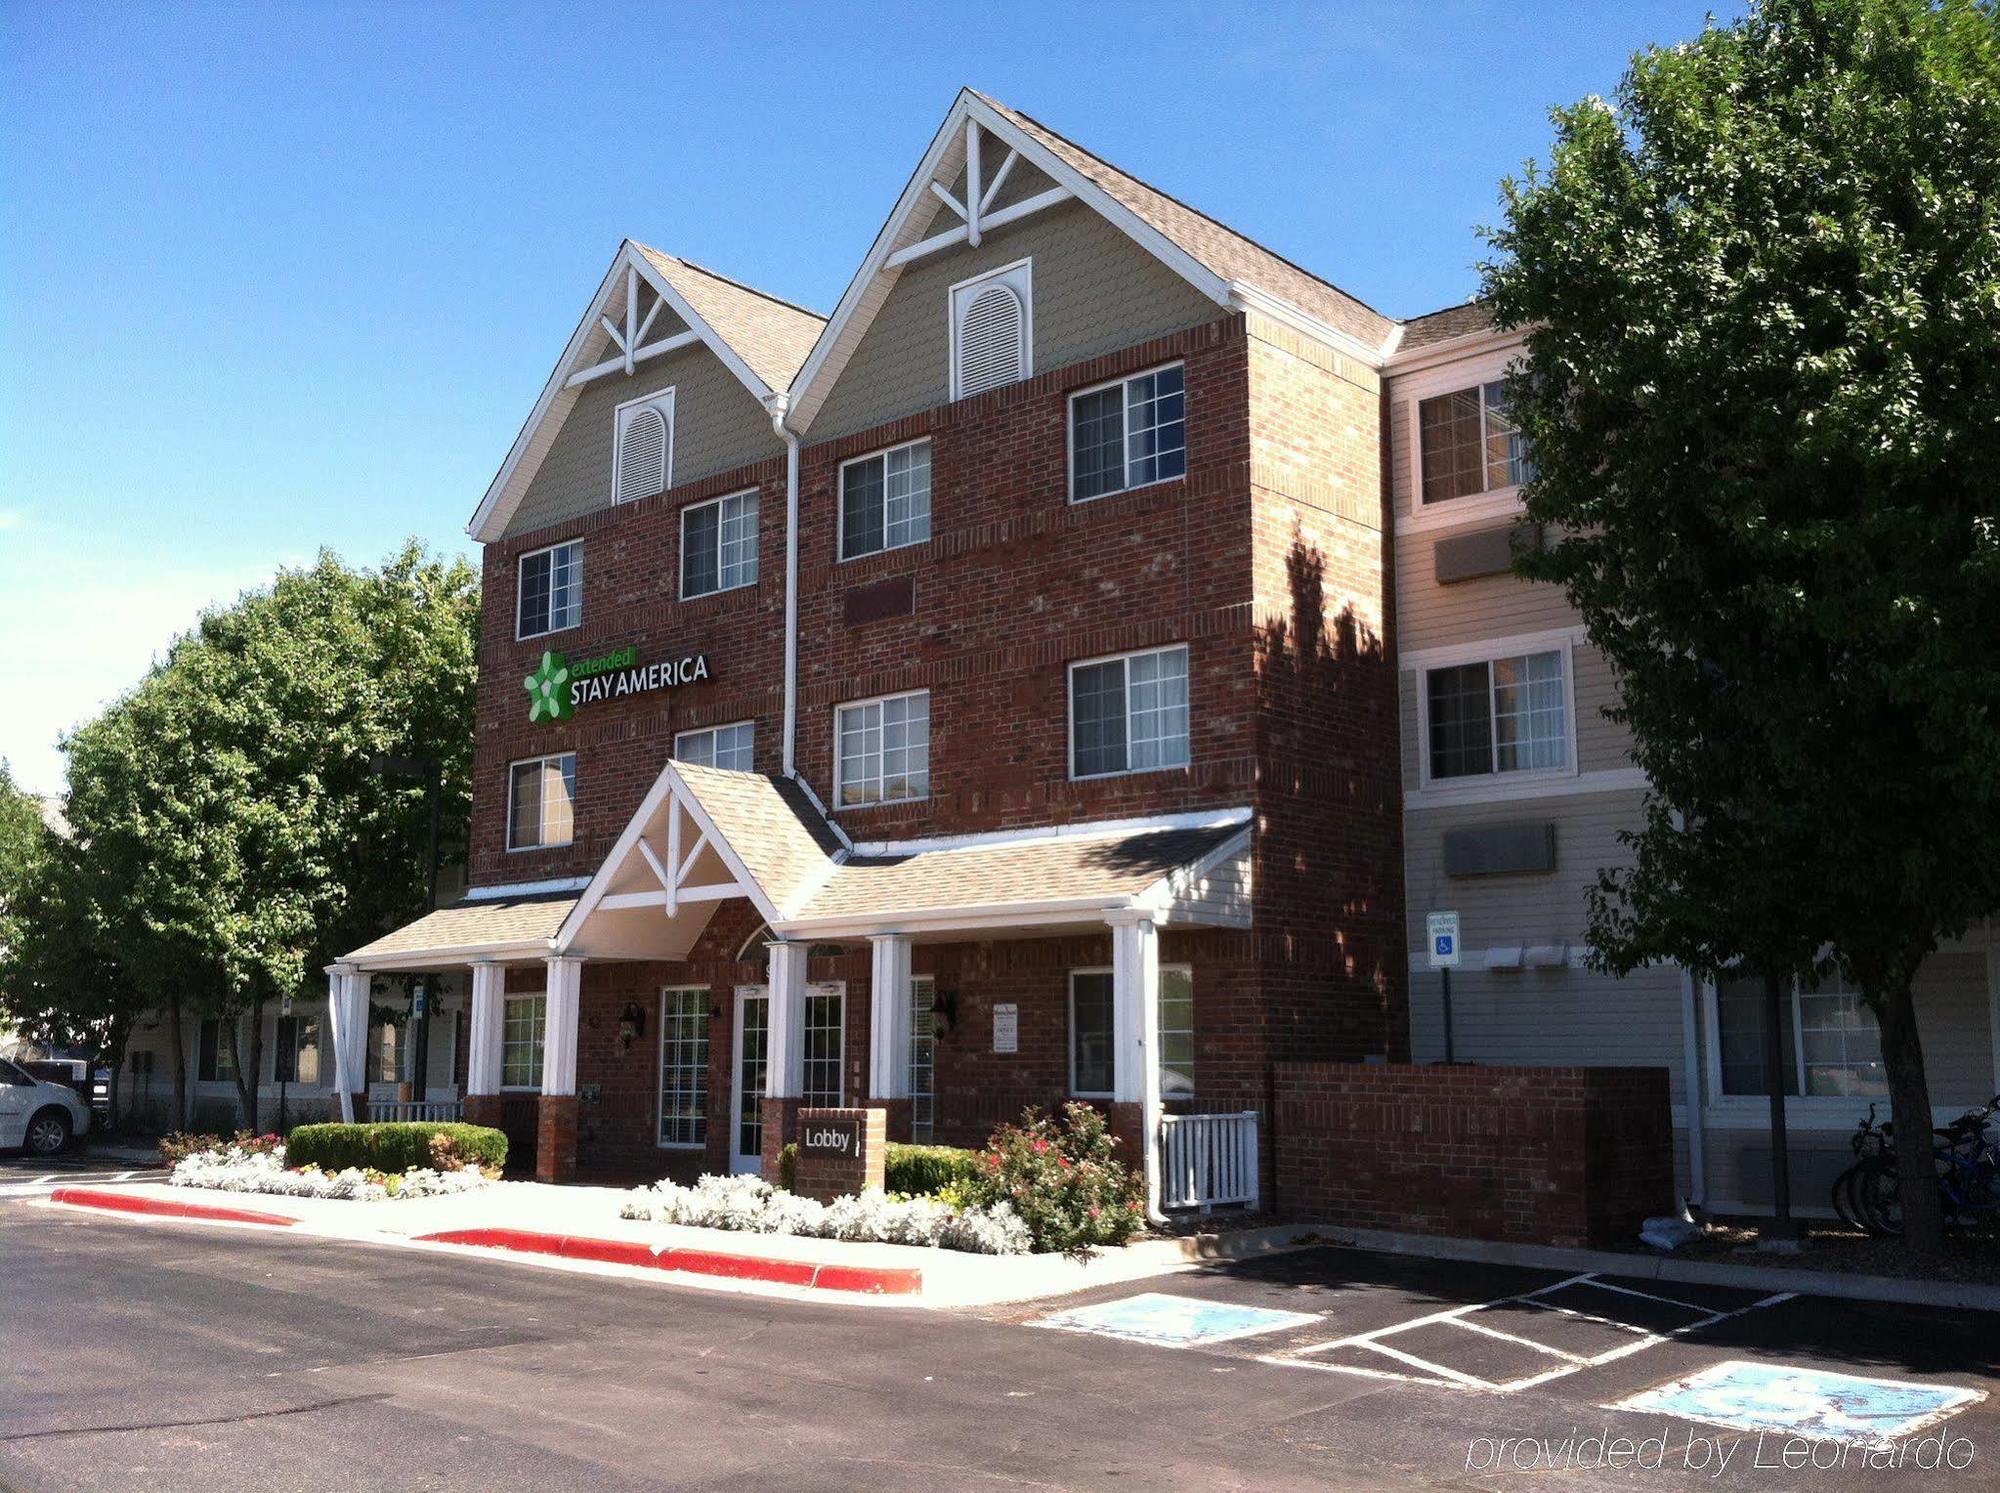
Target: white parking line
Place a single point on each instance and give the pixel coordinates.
(1438, 1373)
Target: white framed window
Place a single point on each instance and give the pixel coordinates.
(993, 329)
(885, 500)
(1129, 713)
(684, 1067)
(719, 545)
(296, 1047)
(882, 750)
(1505, 714)
(214, 1062)
(523, 1025)
(642, 447)
(1830, 1045)
(541, 802)
(825, 1034)
(1128, 434)
(923, 1058)
(1468, 445)
(1093, 1066)
(732, 747)
(550, 595)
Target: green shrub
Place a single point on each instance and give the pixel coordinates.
(393, 1148)
(912, 1171)
(1063, 1178)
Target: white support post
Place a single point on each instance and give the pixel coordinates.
(631, 340)
(785, 1040)
(972, 182)
(483, 1058)
(347, 1021)
(560, 1027)
(889, 1017)
(1135, 1026)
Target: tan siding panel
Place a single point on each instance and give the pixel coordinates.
(1095, 292)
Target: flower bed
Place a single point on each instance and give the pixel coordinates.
(753, 1206)
(234, 1169)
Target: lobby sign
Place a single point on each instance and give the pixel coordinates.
(558, 686)
(837, 1138)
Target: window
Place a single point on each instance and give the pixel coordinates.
(923, 1058)
(684, 1067)
(731, 747)
(885, 500)
(642, 452)
(992, 330)
(295, 1055)
(1829, 1043)
(1498, 715)
(1129, 714)
(522, 1024)
(1128, 434)
(825, 1010)
(1093, 1069)
(387, 1053)
(1469, 444)
(719, 545)
(214, 1062)
(550, 597)
(884, 750)
(541, 802)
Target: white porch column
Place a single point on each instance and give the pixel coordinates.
(559, 1031)
(889, 1017)
(1135, 1028)
(347, 1022)
(482, 1058)
(785, 1045)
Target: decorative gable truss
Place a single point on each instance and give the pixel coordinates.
(976, 214)
(629, 339)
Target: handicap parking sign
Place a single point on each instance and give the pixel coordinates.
(1441, 929)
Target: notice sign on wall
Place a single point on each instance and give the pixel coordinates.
(835, 1138)
(1007, 1027)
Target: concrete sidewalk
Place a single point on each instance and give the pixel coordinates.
(577, 1226)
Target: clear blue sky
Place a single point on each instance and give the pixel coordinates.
(278, 277)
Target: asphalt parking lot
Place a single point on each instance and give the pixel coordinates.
(22, 1175)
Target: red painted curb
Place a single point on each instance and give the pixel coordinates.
(852, 1278)
(125, 1202)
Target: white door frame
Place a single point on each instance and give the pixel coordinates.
(738, 1163)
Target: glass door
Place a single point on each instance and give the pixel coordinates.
(753, 1038)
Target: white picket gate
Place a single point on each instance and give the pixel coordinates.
(415, 1109)
(1208, 1159)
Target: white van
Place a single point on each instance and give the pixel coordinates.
(36, 1114)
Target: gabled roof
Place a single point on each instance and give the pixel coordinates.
(1221, 263)
(1440, 326)
(760, 339)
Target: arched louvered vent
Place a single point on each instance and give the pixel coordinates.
(642, 454)
(991, 334)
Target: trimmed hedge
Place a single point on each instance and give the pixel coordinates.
(390, 1147)
(917, 1171)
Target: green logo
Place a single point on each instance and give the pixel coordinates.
(548, 690)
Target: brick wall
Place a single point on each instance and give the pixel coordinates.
(1570, 1156)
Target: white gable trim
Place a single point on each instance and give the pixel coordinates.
(861, 300)
(558, 396)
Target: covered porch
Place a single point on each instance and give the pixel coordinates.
(736, 958)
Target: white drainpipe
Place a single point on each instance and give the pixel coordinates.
(1697, 1138)
(778, 407)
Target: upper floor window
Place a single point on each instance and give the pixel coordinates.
(1498, 715)
(642, 451)
(1127, 434)
(885, 500)
(541, 802)
(719, 545)
(1469, 444)
(1129, 714)
(883, 750)
(731, 747)
(992, 329)
(550, 597)
(1829, 1043)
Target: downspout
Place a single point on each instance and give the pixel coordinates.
(1697, 1139)
(779, 407)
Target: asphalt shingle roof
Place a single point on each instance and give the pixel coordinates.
(1452, 321)
(493, 922)
(771, 335)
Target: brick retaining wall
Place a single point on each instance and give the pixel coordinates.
(1568, 1156)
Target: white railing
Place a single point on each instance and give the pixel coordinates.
(1208, 1159)
(415, 1109)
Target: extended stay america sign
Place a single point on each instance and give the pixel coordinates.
(558, 686)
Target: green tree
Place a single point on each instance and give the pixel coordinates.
(231, 791)
(1762, 296)
(20, 833)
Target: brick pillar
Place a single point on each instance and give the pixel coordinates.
(483, 1109)
(555, 1138)
(827, 1177)
(781, 1125)
(1128, 1125)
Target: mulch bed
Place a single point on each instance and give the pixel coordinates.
(1835, 1248)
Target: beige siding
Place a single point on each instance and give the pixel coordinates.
(1095, 291)
(717, 426)
(1516, 909)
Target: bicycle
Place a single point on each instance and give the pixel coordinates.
(1968, 1163)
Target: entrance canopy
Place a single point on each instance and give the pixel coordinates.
(704, 835)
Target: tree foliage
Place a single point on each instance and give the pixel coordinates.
(1762, 295)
